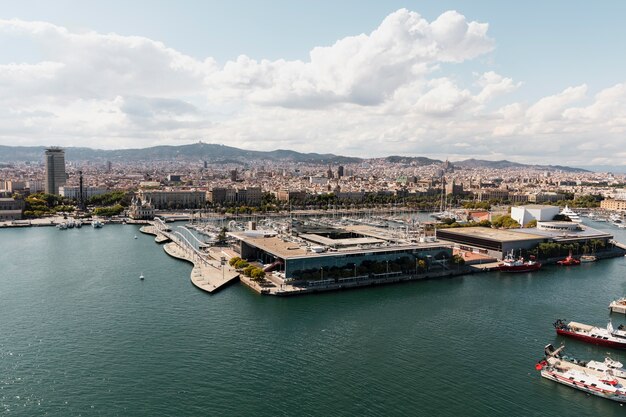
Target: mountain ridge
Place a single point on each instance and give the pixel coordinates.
(217, 153)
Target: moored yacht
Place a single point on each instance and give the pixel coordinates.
(588, 258)
(603, 379)
(618, 306)
(615, 338)
(573, 216)
(512, 264)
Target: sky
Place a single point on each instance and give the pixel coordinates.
(534, 81)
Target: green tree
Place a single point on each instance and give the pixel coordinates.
(221, 237)
(505, 222)
(458, 260)
(531, 224)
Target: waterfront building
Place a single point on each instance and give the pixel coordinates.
(518, 198)
(11, 209)
(140, 209)
(180, 199)
(290, 195)
(55, 170)
(617, 204)
(73, 192)
(545, 197)
(541, 213)
(248, 195)
(492, 194)
(341, 254)
(498, 242)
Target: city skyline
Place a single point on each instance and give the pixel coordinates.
(405, 78)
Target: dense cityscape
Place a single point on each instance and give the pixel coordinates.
(312, 208)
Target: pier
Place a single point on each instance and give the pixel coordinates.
(208, 274)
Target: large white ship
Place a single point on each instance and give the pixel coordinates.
(573, 216)
(603, 379)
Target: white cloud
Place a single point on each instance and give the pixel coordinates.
(389, 91)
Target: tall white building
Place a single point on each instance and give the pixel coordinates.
(55, 170)
(541, 213)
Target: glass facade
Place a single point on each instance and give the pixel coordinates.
(339, 265)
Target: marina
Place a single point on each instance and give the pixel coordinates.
(391, 334)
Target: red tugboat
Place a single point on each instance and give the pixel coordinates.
(512, 264)
(615, 338)
(569, 261)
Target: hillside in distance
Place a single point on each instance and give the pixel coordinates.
(504, 164)
(193, 152)
(220, 154)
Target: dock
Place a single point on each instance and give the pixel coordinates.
(207, 274)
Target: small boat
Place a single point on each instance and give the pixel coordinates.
(618, 306)
(97, 224)
(141, 276)
(135, 237)
(512, 264)
(604, 379)
(569, 261)
(615, 338)
(62, 226)
(588, 258)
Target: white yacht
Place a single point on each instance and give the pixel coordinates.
(573, 216)
(604, 379)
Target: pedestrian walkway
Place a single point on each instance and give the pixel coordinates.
(208, 275)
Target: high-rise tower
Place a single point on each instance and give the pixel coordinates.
(55, 170)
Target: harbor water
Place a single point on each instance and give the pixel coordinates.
(81, 334)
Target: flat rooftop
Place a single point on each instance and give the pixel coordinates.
(340, 242)
(288, 250)
(501, 235)
(511, 235)
(585, 232)
(371, 231)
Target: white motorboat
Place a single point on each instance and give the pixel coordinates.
(603, 379)
(618, 306)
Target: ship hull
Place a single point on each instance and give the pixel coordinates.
(618, 308)
(519, 268)
(593, 340)
(583, 387)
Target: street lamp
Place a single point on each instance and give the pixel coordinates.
(321, 273)
(387, 266)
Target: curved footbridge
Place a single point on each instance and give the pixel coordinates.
(208, 274)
